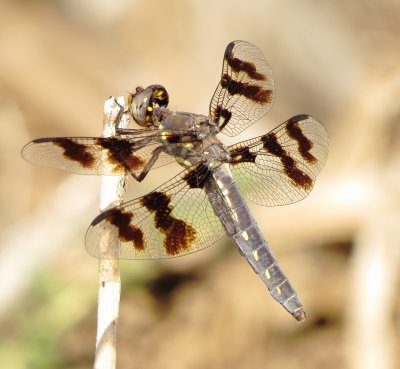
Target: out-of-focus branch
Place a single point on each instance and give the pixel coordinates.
(111, 193)
(371, 334)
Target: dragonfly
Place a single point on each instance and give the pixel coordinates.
(207, 200)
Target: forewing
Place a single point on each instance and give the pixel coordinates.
(246, 89)
(94, 155)
(174, 220)
(281, 166)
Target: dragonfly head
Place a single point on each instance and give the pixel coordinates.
(144, 102)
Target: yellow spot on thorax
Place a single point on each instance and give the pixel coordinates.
(183, 162)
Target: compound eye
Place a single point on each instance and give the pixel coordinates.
(144, 101)
(160, 96)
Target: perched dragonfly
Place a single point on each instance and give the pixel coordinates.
(197, 207)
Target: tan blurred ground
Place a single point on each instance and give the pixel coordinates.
(339, 61)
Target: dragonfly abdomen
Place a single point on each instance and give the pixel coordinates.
(231, 208)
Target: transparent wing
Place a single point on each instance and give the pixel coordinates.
(173, 220)
(95, 155)
(246, 89)
(280, 167)
(92, 155)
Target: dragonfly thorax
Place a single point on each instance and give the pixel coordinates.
(189, 123)
(215, 153)
(191, 138)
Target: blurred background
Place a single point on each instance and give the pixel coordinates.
(337, 60)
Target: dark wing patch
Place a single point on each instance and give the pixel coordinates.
(197, 177)
(95, 155)
(174, 220)
(242, 155)
(251, 92)
(74, 151)
(121, 153)
(299, 178)
(280, 167)
(222, 116)
(127, 231)
(295, 132)
(237, 65)
(178, 235)
(246, 89)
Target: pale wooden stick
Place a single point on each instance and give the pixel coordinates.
(111, 194)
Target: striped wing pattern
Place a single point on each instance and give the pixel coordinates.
(173, 220)
(246, 89)
(280, 167)
(93, 155)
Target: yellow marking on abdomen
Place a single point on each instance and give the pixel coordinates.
(245, 236)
